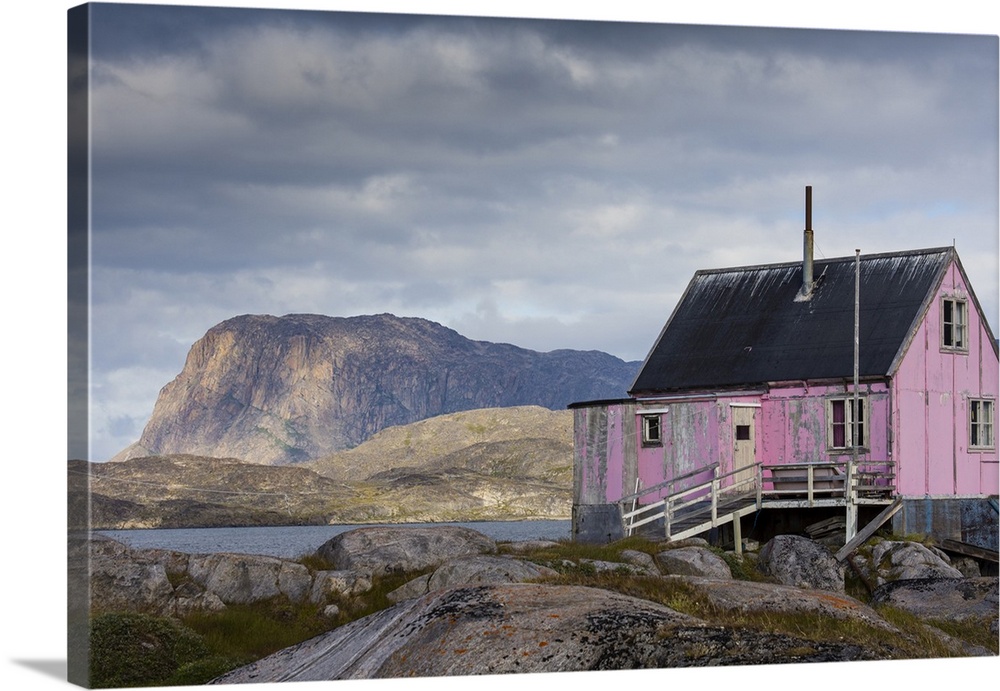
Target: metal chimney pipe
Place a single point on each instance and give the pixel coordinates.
(807, 246)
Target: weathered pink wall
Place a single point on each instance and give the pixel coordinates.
(603, 436)
(690, 433)
(794, 424)
(931, 390)
(789, 427)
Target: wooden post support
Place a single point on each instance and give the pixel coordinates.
(851, 497)
(737, 534)
(869, 529)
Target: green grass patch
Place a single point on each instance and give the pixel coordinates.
(926, 633)
(252, 631)
(315, 563)
(354, 607)
(676, 593)
(743, 567)
(974, 631)
(132, 649)
(569, 550)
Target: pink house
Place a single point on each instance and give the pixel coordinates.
(745, 417)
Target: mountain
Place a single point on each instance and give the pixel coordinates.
(496, 464)
(279, 390)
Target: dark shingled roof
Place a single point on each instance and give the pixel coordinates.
(743, 326)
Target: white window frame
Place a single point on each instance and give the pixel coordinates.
(955, 330)
(652, 429)
(982, 431)
(848, 423)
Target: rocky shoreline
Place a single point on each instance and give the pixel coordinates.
(473, 606)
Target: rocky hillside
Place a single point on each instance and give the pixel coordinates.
(524, 441)
(280, 390)
(494, 464)
(452, 601)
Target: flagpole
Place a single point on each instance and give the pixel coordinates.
(852, 509)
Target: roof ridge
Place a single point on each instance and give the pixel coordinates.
(832, 260)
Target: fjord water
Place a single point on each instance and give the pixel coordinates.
(295, 541)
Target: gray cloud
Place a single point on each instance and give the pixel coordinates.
(551, 184)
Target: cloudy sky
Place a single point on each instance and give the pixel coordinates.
(552, 184)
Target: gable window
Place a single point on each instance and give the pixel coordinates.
(981, 424)
(651, 431)
(953, 324)
(841, 416)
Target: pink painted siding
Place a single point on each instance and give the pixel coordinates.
(931, 392)
(789, 426)
(603, 435)
(690, 440)
(794, 424)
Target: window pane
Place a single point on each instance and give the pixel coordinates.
(953, 324)
(839, 426)
(981, 433)
(987, 423)
(651, 429)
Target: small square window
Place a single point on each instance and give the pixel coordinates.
(651, 431)
(954, 324)
(981, 424)
(742, 432)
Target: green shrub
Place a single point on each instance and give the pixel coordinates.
(130, 649)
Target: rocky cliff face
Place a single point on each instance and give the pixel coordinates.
(286, 389)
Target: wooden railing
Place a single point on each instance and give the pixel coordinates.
(688, 504)
(870, 481)
(693, 504)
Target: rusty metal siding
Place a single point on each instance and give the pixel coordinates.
(967, 519)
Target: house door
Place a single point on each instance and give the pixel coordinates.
(744, 442)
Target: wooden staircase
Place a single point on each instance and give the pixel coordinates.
(689, 504)
(703, 499)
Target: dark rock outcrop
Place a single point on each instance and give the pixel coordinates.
(497, 629)
(942, 598)
(800, 562)
(474, 570)
(693, 561)
(902, 560)
(287, 389)
(730, 595)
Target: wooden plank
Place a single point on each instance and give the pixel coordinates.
(967, 550)
(869, 529)
(837, 521)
